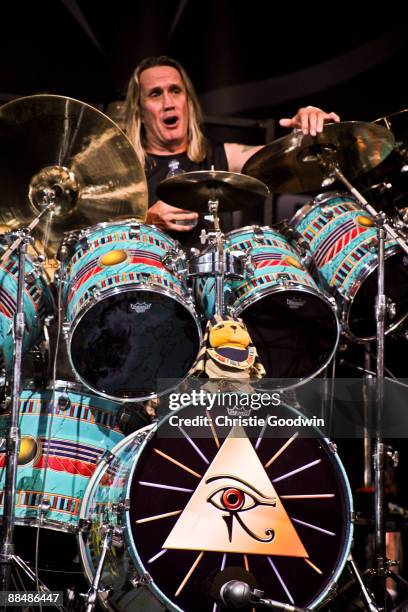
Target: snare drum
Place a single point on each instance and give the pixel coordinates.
(74, 430)
(37, 300)
(190, 503)
(292, 322)
(343, 243)
(130, 317)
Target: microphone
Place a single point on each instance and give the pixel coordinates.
(236, 594)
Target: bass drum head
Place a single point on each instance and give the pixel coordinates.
(219, 502)
(128, 341)
(295, 333)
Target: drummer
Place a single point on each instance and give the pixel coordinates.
(164, 123)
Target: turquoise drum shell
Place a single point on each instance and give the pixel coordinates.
(132, 584)
(76, 431)
(144, 261)
(279, 301)
(343, 240)
(38, 303)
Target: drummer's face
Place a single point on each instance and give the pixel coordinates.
(164, 109)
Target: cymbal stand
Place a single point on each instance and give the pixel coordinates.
(327, 160)
(218, 237)
(20, 243)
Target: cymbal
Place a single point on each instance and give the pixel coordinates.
(289, 164)
(192, 190)
(397, 123)
(58, 145)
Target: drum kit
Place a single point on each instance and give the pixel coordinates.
(130, 305)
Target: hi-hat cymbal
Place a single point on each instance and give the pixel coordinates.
(397, 123)
(290, 165)
(58, 145)
(192, 190)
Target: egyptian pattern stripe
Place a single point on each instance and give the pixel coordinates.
(336, 241)
(349, 264)
(119, 237)
(92, 268)
(77, 411)
(146, 279)
(268, 279)
(254, 243)
(317, 224)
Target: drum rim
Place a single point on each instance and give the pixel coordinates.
(249, 228)
(247, 301)
(86, 232)
(319, 200)
(335, 460)
(187, 304)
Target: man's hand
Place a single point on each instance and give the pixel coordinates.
(165, 217)
(310, 120)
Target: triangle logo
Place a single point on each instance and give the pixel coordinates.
(235, 508)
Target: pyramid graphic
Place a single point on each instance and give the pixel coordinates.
(235, 508)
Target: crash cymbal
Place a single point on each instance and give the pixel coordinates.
(53, 144)
(192, 190)
(290, 165)
(398, 124)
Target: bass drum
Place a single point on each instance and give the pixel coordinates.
(193, 503)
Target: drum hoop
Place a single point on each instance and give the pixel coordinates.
(251, 228)
(117, 290)
(348, 502)
(51, 524)
(85, 233)
(319, 200)
(348, 299)
(100, 468)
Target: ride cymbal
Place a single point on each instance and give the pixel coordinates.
(290, 164)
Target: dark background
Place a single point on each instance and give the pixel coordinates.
(257, 59)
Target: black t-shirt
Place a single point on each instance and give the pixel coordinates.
(157, 168)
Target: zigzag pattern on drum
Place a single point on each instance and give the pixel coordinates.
(336, 241)
(253, 244)
(58, 503)
(76, 411)
(30, 290)
(118, 237)
(7, 303)
(320, 222)
(348, 263)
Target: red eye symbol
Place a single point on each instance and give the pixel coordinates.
(232, 499)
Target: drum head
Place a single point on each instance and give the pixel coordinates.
(238, 504)
(125, 343)
(295, 333)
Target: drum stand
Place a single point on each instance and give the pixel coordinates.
(7, 557)
(218, 237)
(327, 160)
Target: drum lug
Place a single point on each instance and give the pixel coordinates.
(283, 279)
(94, 291)
(327, 212)
(259, 235)
(172, 261)
(84, 244)
(134, 231)
(65, 329)
(107, 457)
(333, 447)
(140, 581)
(84, 525)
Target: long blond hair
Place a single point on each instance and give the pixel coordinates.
(134, 128)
